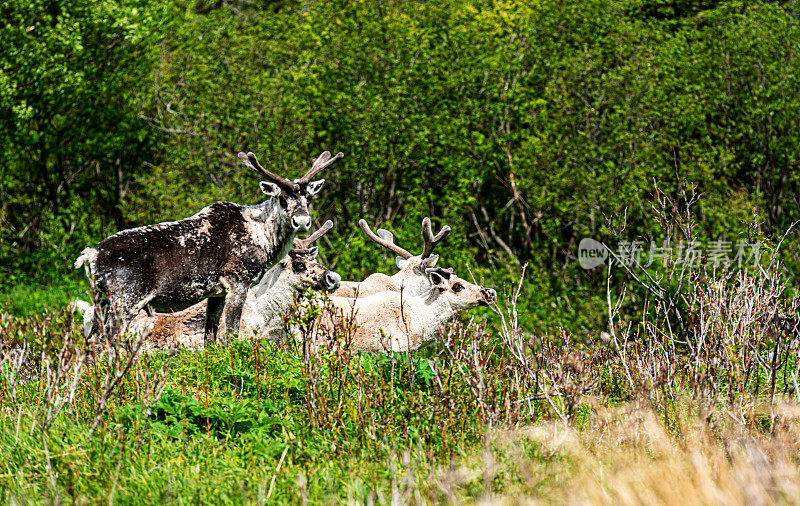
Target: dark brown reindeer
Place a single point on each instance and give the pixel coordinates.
(267, 306)
(217, 254)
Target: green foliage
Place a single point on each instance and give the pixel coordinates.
(226, 419)
(22, 298)
(525, 126)
(70, 138)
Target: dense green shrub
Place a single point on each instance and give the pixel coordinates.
(525, 126)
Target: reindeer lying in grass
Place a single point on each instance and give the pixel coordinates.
(217, 254)
(396, 321)
(264, 311)
(411, 278)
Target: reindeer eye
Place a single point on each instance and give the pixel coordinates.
(458, 287)
(299, 267)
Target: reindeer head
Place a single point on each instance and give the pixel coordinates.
(406, 262)
(302, 265)
(293, 196)
(460, 294)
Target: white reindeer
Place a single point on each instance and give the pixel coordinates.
(394, 321)
(411, 278)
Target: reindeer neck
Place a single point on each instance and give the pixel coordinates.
(430, 311)
(433, 307)
(274, 300)
(410, 282)
(269, 227)
(268, 301)
(268, 280)
(433, 299)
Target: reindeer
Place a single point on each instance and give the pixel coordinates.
(270, 301)
(267, 303)
(217, 254)
(392, 321)
(411, 278)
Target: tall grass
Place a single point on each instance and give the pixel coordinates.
(704, 412)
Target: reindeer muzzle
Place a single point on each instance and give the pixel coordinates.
(332, 280)
(301, 222)
(488, 296)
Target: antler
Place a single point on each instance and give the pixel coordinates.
(385, 241)
(305, 243)
(323, 160)
(251, 162)
(429, 239)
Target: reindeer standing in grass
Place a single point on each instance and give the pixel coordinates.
(267, 305)
(412, 278)
(216, 254)
(393, 321)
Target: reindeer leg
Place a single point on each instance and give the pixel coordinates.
(113, 317)
(234, 304)
(213, 313)
(103, 320)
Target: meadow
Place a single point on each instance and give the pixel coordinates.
(663, 132)
(491, 412)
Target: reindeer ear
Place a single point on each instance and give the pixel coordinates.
(400, 262)
(429, 262)
(436, 279)
(315, 186)
(385, 234)
(270, 189)
(313, 251)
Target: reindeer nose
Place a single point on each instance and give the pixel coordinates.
(332, 279)
(301, 222)
(489, 294)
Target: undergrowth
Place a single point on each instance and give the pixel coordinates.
(653, 413)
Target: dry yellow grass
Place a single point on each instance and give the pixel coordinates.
(628, 456)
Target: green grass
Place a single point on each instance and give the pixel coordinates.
(36, 298)
(207, 468)
(347, 426)
(254, 422)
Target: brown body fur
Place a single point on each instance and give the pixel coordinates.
(219, 252)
